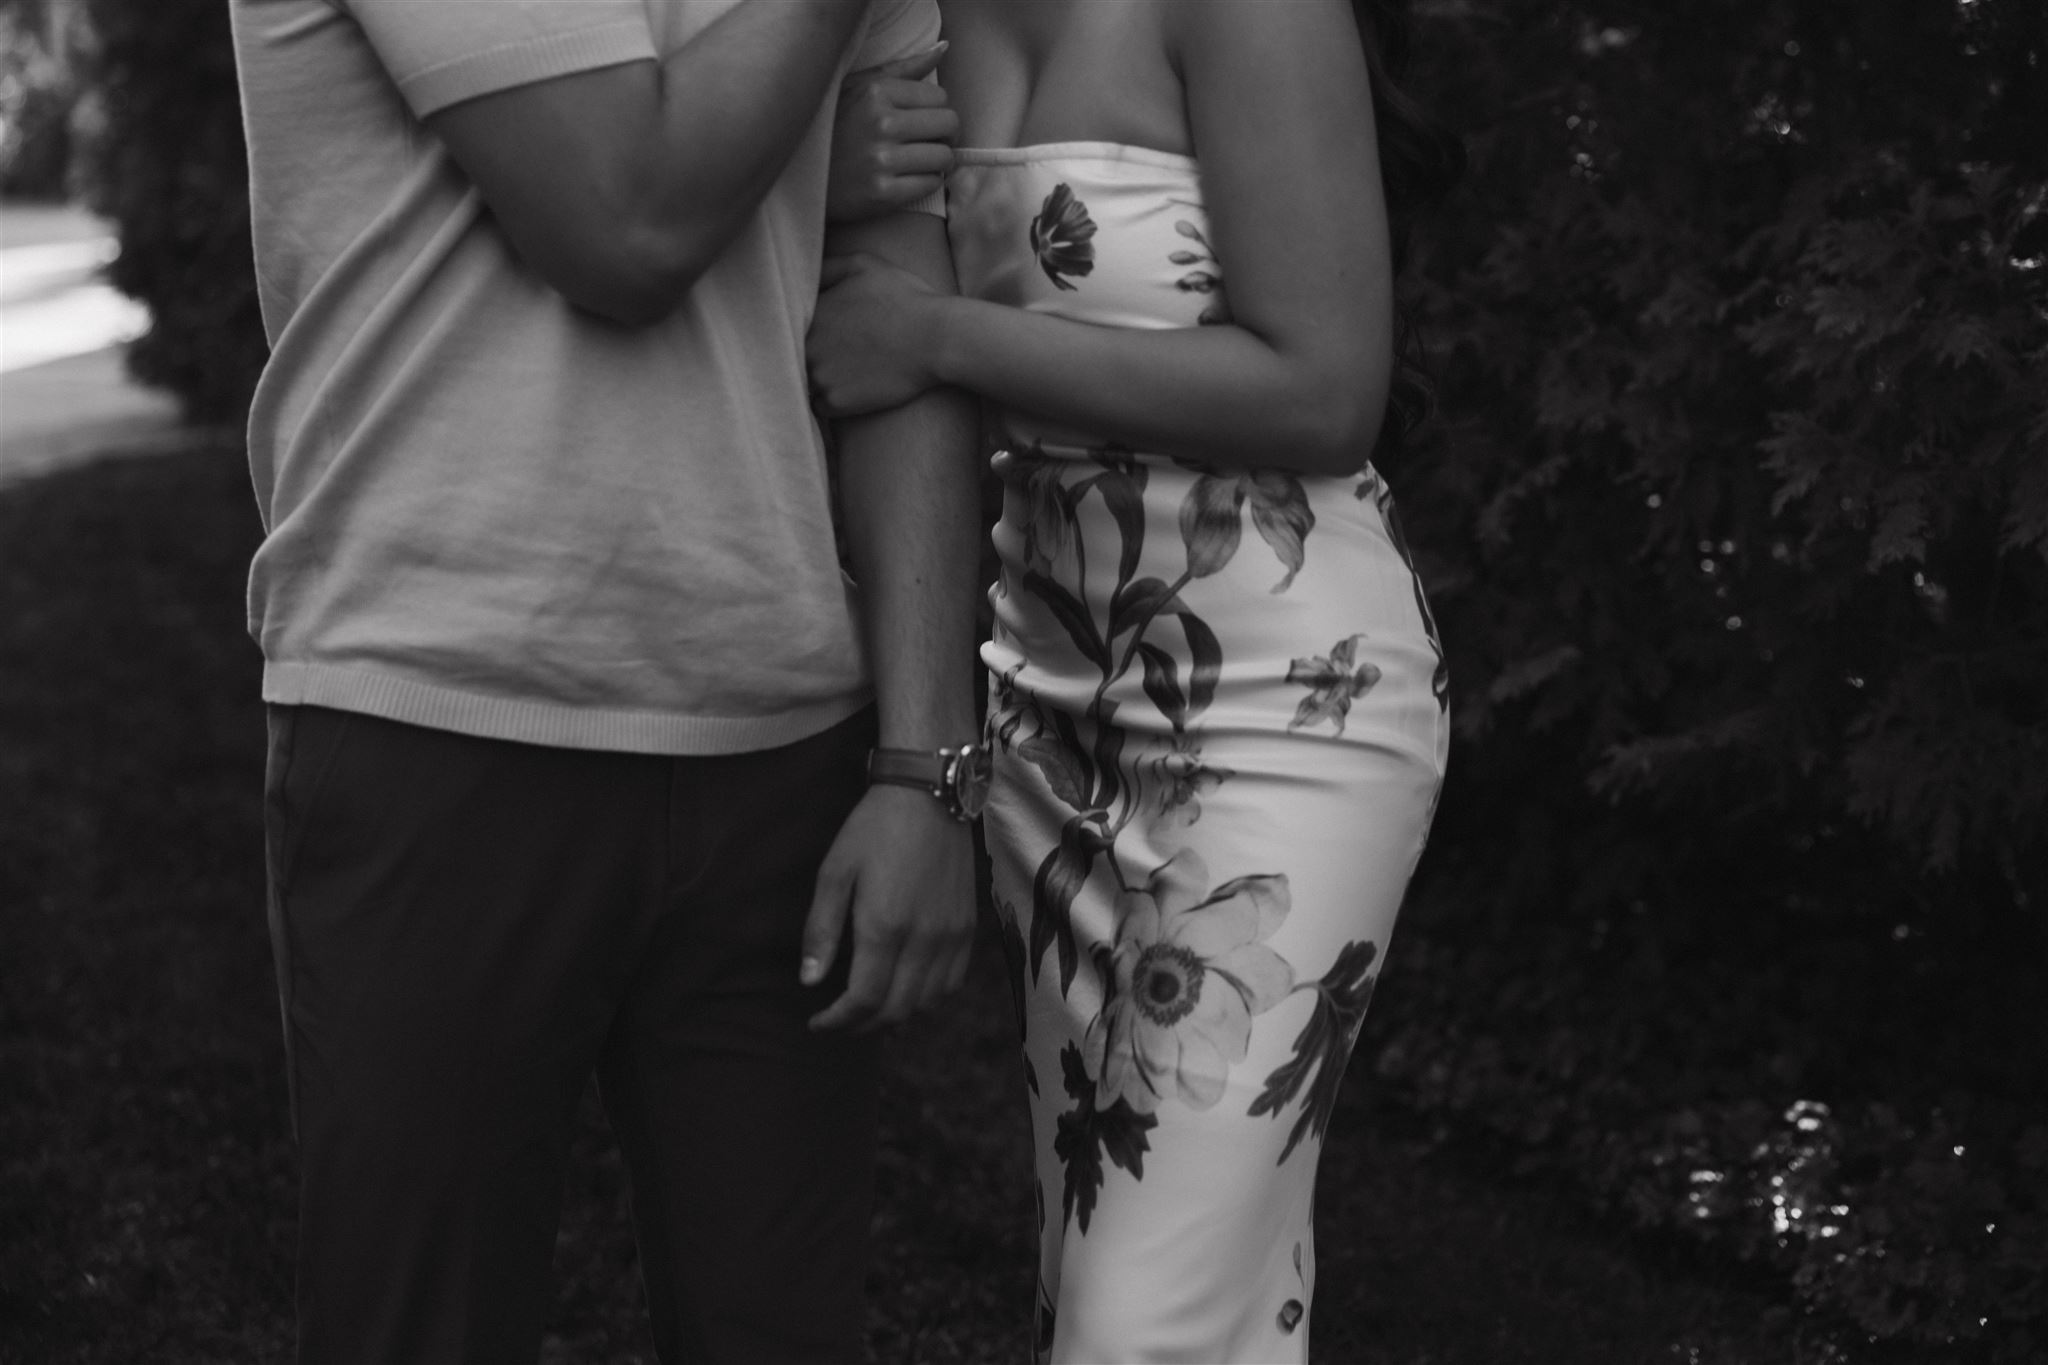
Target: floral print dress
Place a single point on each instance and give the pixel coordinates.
(1219, 718)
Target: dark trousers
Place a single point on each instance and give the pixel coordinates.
(465, 929)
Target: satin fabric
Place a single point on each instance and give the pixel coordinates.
(1220, 722)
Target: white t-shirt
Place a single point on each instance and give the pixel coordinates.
(486, 511)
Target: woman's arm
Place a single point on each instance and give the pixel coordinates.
(892, 139)
(1281, 116)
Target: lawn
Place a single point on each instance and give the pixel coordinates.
(146, 1169)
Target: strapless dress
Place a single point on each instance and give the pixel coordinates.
(1218, 709)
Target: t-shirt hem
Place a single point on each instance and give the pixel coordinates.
(556, 725)
(523, 63)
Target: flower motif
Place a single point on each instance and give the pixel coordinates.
(1189, 969)
(1334, 682)
(1063, 236)
(1200, 280)
(1180, 778)
(1047, 510)
(1007, 712)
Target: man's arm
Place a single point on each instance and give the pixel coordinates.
(621, 186)
(902, 870)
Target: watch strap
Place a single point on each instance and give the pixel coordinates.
(924, 769)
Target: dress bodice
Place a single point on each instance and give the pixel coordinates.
(1098, 232)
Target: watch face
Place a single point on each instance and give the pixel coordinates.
(970, 780)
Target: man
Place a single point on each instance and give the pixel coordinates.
(570, 701)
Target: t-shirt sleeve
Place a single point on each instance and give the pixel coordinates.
(896, 29)
(442, 52)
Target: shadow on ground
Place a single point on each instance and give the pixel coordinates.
(146, 1177)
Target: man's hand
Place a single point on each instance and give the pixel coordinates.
(892, 139)
(901, 873)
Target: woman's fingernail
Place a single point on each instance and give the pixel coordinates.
(810, 970)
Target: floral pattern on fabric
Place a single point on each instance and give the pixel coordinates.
(1062, 237)
(1374, 487)
(1205, 275)
(1179, 778)
(1334, 681)
(1188, 967)
(1291, 1312)
(1320, 1050)
(1171, 853)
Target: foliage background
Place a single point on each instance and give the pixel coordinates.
(38, 99)
(168, 166)
(1735, 517)
(1737, 521)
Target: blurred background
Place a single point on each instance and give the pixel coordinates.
(1714, 1032)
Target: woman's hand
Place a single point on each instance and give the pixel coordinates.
(873, 338)
(891, 139)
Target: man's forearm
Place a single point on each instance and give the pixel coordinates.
(909, 486)
(621, 186)
(734, 103)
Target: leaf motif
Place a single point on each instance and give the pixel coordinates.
(1048, 511)
(1206, 656)
(1068, 735)
(1059, 880)
(1211, 523)
(1323, 1046)
(1061, 768)
(1109, 748)
(1069, 612)
(1440, 680)
(1085, 1134)
(1124, 498)
(1137, 603)
(1281, 512)
(1162, 684)
(1013, 961)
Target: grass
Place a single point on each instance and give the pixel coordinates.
(146, 1171)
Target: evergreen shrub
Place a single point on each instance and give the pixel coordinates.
(169, 168)
(36, 98)
(1737, 525)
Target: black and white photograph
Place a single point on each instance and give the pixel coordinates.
(1023, 682)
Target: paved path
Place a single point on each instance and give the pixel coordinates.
(64, 394)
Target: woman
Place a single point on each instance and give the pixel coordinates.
(1217, 753)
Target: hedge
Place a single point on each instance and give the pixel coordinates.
(36, 99)
(168, 167)
(1737, 524)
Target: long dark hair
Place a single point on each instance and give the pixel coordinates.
(1420, 159)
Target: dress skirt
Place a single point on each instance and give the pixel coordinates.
(1218, 710)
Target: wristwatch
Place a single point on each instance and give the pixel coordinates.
(956, 778)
